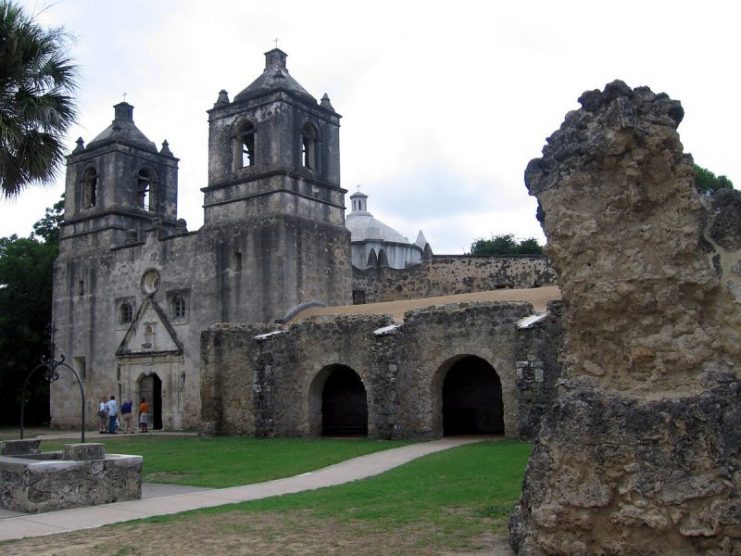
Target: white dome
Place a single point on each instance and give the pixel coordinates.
(363, 227)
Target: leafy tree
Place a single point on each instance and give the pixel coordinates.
(36, 106)
(26, 269)
(505, 244)
(48, 227)
(706, 181)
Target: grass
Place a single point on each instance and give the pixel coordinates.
(231, 461)
(485, 478)
(456, 501)
(461, 493)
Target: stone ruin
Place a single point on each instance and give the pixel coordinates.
(640, 453)
(79, 475)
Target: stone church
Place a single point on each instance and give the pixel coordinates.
(134, 290)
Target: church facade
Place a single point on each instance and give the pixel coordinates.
(135, 292)
(133, 289)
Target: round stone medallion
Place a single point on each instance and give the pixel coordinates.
(150, 281)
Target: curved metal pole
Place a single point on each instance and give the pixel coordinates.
(23, 392)
(53, 376)
(82, 395)
(61, 363)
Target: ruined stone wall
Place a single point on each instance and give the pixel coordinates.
(268, 382)
(451, 275)
(640, 455)
(538, 352)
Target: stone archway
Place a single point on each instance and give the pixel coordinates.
(471, 397)
(338, 403)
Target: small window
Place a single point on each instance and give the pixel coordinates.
(90, 188)
(178, 307)
(144, 198)
(238, 261)
(125, 313)
(245, 142)
(81, 287)
(309, 137)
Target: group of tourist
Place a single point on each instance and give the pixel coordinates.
(108, 413)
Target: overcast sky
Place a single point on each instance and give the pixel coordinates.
(443, 103)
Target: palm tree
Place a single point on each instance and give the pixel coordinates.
(36, 106)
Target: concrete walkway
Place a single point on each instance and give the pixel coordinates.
(35, 525)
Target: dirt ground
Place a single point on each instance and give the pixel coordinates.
(268, 533)
(539, 297)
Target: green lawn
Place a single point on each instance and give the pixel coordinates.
(231, 461)
(452, 499)
(456, 501)
(484, 478)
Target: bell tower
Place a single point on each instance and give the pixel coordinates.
(274, 201)
(118, 186)
(274, 150)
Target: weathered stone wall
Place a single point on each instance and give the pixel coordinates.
(451, 275)
(538, 352)
(263, 381)
(641, 453)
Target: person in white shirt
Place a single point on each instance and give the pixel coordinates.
(112, 415)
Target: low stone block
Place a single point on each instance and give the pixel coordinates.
(20, 447)
(83, 452)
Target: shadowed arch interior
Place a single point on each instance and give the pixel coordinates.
(344, 403)
(472, 398)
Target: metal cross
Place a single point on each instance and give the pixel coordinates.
(276, 42)
(124, 96)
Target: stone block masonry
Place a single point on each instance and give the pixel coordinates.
(452, 275)
(81, 475)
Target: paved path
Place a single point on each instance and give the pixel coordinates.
(34, 525)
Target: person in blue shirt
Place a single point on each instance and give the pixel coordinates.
(126, 415)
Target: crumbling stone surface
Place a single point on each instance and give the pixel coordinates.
(643, 303)
(615, 475)
(640, 455)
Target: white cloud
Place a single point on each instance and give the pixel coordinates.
(456, 97)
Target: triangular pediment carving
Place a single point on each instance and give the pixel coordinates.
(150, 333)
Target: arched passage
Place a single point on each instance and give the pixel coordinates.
(472, 398)
(339, 402)
(150, 388)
